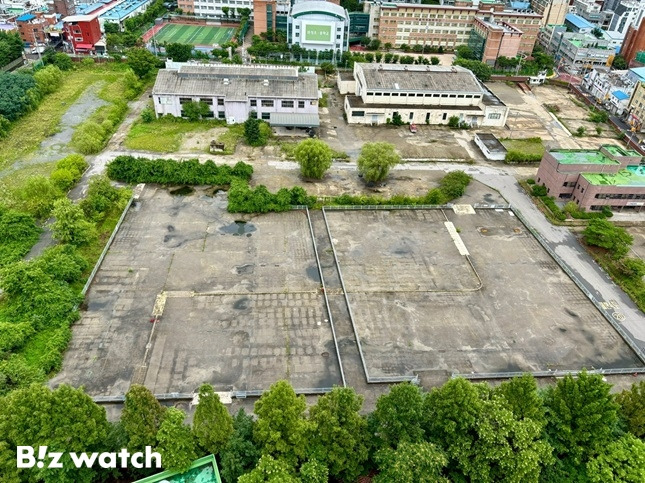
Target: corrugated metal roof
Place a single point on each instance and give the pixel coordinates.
(578, 21)
(197, 83)
(393, 77)
(294, 119)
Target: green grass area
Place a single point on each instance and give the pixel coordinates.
(523, 150)
(233, 135)
(28, 132)
(194, 34)
(164, 135)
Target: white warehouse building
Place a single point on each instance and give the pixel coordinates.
(280, 95)
(318, 25)
(420, 94)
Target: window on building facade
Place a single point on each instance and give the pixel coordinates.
(220, 102)
(445, 116)
(266, 115)
(286, 103)
(358, 113)
(221, 115)
(184, 100)
(301, 104)
(206, 100)
(267, 103)
(254, 103)
(494, 115)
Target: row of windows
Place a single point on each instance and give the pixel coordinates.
(619, 196)
(252, 102)
(419, 94)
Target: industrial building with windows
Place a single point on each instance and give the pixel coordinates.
(280, 95)
(419, 94)
(610, 176)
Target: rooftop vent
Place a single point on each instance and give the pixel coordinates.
(226, 82)
(265, 82)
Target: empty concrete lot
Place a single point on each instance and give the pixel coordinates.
(418, 304)
(240, 303)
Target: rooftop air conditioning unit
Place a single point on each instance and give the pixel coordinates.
(265, 82)
(226, 82)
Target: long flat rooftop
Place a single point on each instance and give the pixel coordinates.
(632, 176)
(572, 156)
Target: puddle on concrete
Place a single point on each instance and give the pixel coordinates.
(239, 228)
(241, 304)
(245, 269)
(313, 274)
(183, 191)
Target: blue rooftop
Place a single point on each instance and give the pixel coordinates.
(87, 8)
(620, 95)
(520, 5)
(578, 22)
(26, 17)
(639, 72)
(123, 9)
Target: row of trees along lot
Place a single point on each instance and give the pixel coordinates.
(575, 430)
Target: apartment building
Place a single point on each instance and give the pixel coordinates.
(610, 88)
(575, 50)
(443, 25)
(636, 108)
(552, 11)
(634, 42)
(419, 94)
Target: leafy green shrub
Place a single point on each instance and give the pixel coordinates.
(538, 190)
(148, 115)
(48, 79)
(243, 199)
(18, 233)
(14, 335)
(194, 111)
(129, 169)
(37, 195)
(602, 233)
(101, 198)
(572, 210)
(453, 122)
(598, 116)
(16, 372)
(530, 181)
(253, 133)
(88, 137)
(314, 157)
(580, 131)
(453, 185)
(70, 225)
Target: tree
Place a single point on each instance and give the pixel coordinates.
(225, 11)
(62, 61)
(597, 32)
(396, 119)
(212, 424)
(111, 28)
(18, 95)
(271, 470)
(253, 132)
(465, 52)
(420, 462)
(175, 441)
(338, 433)
(522, 398)
(622, 460)
(37, 196)
(314, 157)
(194, 111)
(240, 454)
(632, 267)
(179, 52)
(582, 417)
(398, 417)
(632, 408)
(327, 68)
(281, 429)
(604, 234)
(375, 161)
(453, 122)
(64, 420)
(619, 63)
(141, 61)
(11, 47)
(481, 70)
(141, 417)
(70, 225)
(314, 471)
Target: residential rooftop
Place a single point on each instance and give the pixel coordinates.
(632, 176)
(574, 156)
(619, 151)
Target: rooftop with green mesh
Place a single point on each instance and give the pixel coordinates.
(633, 176)
(574, 156)
(618, 151)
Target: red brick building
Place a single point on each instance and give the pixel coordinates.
(634, 43)
(611, 176)
(32, 26)
(82, 31)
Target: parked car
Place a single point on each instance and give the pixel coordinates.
(413, 128)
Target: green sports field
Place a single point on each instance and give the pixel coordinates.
(194, 34)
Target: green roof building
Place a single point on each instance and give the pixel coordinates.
(610, 176)
(203, 470)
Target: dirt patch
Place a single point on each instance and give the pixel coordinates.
(198, 142)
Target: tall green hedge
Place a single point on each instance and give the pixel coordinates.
(243, 199)
(169, 172)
